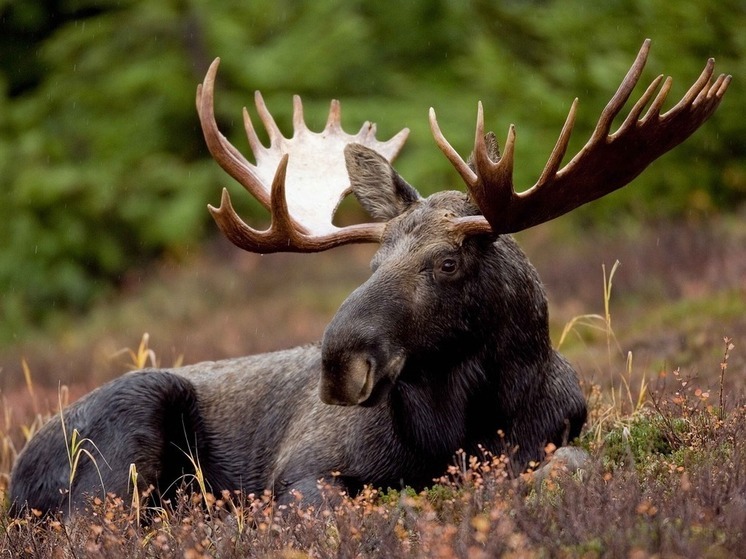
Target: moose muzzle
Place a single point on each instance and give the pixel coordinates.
(361, 353)
(348, 383)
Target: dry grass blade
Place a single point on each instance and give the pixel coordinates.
(723, 367)
(74, 447)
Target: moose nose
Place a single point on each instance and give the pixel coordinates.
(360, 343)
(349, 383)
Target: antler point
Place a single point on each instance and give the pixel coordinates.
(225, 204)
(335, 114)
(724, 86)
(480, 124)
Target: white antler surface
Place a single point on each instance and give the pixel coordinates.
(312, 186)
(316, 180)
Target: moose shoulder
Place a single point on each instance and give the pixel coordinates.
(445, 346)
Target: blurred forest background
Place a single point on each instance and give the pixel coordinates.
(104, 168)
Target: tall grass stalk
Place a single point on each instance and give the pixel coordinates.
(75, 449)
(623, 396)
(598, 322)
(135, 503)
(29, 385)
(139, 358)
(607, 308)
(723, 367)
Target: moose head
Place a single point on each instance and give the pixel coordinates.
(429, 274)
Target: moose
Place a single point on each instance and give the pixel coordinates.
(445, 347)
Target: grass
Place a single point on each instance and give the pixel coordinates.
(667, 479)
(647, 493)
(74, 446)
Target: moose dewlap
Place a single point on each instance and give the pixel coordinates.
(445, 347)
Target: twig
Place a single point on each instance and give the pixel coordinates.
(672, 437)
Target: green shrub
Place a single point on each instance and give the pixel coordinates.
(104, 167)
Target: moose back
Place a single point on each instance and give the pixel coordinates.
(445, 347)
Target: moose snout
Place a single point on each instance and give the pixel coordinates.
(361, 352)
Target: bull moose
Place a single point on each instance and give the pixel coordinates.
(446, 346)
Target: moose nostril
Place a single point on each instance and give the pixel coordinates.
(360, 381)
(360, 370)
(349, 381)
(367, 386)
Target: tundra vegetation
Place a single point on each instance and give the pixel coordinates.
(668, 479)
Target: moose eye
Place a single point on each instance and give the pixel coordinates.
(448, 266)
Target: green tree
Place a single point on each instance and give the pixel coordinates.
(103, 164)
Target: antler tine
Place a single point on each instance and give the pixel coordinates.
(703, 95)
(481, 158)
(282, 224)
(719, 87)
(636, 111)
(299, 122)
(267, 119)
(391, 148)
(494, 187)
(655, 107)
(226, 155)
(560, 148)
(622, 94)
(451, 154)
(367, 130)
(698, 86)
(254, 143)
(228, 221)
(334, 121)
(606, 163)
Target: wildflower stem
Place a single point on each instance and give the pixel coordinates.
(723, 366)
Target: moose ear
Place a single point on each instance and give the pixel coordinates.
(376, 185)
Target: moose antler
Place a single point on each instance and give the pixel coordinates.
(606, 163)
(306, 172)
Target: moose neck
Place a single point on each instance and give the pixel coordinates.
(450, 397)
(440, 405)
